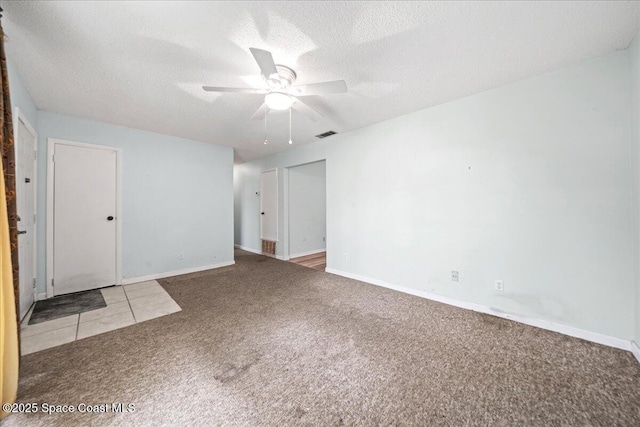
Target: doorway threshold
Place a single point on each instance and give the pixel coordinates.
(317, 261)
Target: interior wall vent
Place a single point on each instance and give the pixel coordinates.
(326, 134)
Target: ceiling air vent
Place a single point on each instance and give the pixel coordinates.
(326, 134)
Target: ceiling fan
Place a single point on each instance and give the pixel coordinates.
(280, 93)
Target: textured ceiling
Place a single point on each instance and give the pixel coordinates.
(141, 64)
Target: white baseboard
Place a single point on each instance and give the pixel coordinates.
(315, 251)
(527, 320)
(41, 296)
(244, 248)
(635, 350)
(131, 280)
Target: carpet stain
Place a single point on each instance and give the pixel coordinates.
(494, 321)
(232, 373)
(300, 412)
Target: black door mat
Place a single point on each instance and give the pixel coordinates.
(67, 305)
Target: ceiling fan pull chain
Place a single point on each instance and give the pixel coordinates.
(290, 141)
(265, 125)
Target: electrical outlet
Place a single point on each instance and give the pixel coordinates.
(455, 277)
(346, 258)
(180, 255)
(499, 285)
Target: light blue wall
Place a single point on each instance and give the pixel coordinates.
(177, 196)
(634, 61)
(530, 183)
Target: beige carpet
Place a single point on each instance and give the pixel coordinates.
(271, 343)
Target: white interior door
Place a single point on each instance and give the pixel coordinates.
(25, 187)
(269, 206)
(84, 217)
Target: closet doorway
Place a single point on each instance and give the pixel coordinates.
(307, 215)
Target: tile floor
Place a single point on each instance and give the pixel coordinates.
(126, 305)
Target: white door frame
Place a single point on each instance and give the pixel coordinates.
(50, 181)
(20, 117)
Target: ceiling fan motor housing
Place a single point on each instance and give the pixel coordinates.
(284, 79)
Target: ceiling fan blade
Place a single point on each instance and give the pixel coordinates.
(234, 89)
(337, 86)
(259, 114)
(307, 111)
(265, 61)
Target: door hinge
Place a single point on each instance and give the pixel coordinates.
(53, 283)
(34, 218)
(35, 154)
(34, 283)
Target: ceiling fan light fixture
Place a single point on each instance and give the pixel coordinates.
(279, 101)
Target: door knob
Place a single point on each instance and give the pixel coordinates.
(261, 213)
(109, 218)
(22, 232)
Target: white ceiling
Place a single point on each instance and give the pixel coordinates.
(141, 64)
